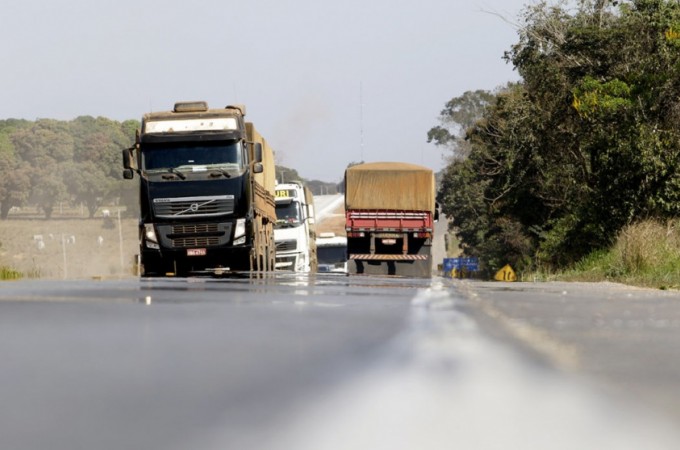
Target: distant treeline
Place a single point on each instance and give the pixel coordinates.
(288, 175)
(46, 163)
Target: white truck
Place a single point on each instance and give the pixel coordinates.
(332, 253)
(295, 229)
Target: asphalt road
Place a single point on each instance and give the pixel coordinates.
(335, 362)
(623, 338)
(326, 204)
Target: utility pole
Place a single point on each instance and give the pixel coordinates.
(63, 249)
(120, 243)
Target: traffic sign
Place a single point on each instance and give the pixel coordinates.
(454, 267)
(506, 274)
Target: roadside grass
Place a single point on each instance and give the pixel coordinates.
(645, 254)
(7, 273)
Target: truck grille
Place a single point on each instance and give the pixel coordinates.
(179, 207)
(188, 242)
(195, 228)
(194, 235)
(286, 246)
(286, 262)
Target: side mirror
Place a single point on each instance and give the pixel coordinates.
(258, 168)
(127, 156)
(436, 212)
(128, 171)
(257, 153)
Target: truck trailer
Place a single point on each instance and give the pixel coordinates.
(295, 229)
(206, 194)
(389, 219)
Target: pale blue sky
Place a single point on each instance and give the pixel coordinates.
(298, 65)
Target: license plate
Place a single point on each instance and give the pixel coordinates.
(196, 252)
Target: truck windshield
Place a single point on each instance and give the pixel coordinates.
(288, 215)
(331, 254)
(192, 156)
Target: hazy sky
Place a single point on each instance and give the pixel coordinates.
(325, 82)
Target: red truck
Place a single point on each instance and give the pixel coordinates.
(390, 214)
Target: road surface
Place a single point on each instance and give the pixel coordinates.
(327, 204)
(336, 362)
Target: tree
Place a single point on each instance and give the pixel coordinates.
(46, 138)
(89, 184)
(15, 185)
(287, 175)
(319, 187)
(48, 188)
(459, 114)
(584, 145)
(100, 141)
(50, 161)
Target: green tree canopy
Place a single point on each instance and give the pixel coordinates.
(586, 143)
(50, 161)
(459, 115)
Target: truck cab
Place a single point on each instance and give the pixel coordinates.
(294, 230)
(205, 206)
(331, 252)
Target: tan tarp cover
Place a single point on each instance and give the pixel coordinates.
(389, 186)
(266, 179)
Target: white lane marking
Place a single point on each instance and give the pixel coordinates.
(443, 385)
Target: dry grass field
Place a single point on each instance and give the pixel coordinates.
(71, 246)
(68, 246)
(333, 223)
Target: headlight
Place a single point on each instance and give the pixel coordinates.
(240, 228)
(150, 236)
(150, 232)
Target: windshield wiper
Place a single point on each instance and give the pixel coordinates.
(222, 171)
(283, 223)
(177, 172)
